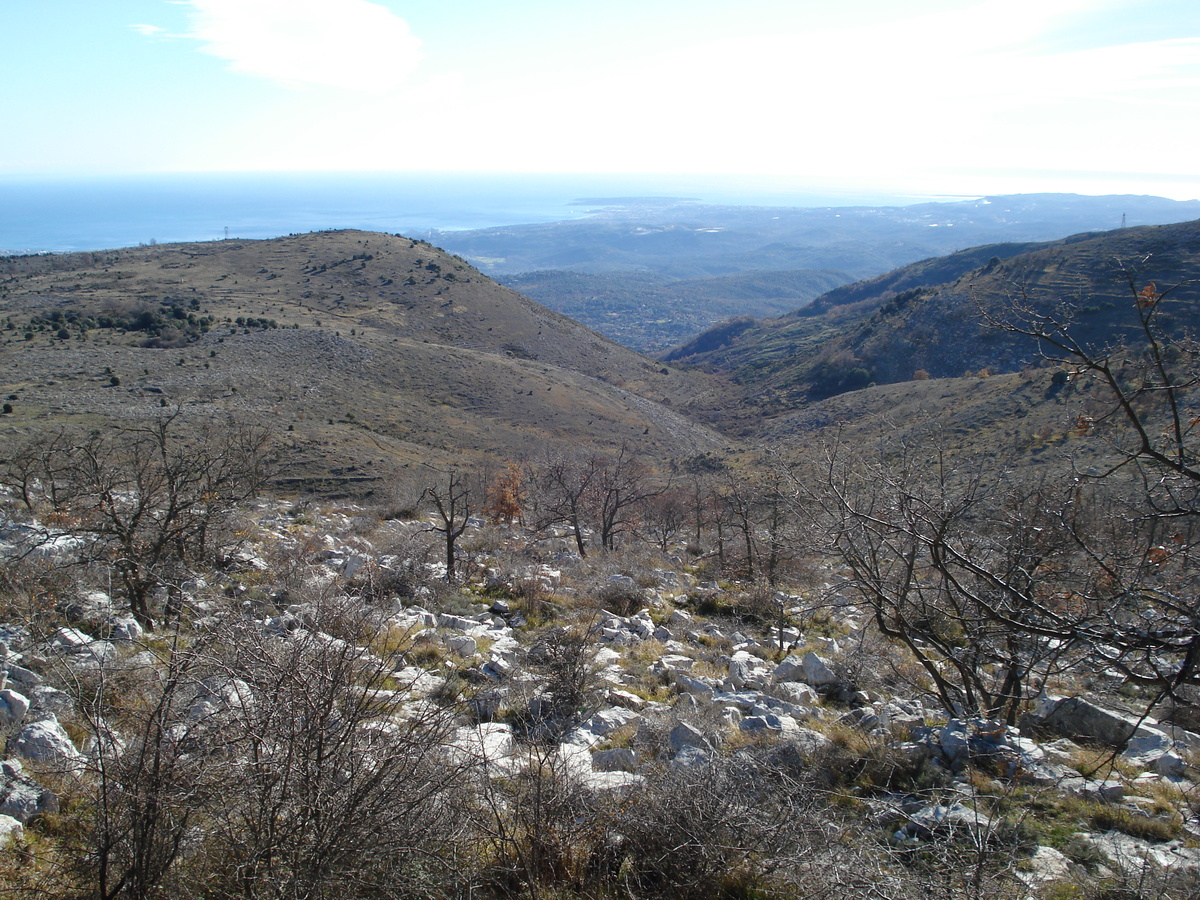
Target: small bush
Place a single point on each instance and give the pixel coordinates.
(620, 597)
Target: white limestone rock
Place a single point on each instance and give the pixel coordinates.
(620, 759)
(21, 797)
(45, 741)
(816, 670)
(784, 726)
(685, 735)
(796, 692)
(13, 707)
(10, 829)
(461, 644)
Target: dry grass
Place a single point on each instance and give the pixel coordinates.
(366, 375)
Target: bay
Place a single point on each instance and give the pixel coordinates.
(42, 214)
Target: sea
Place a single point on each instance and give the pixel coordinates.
(44, 214)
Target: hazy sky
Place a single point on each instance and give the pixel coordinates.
(1095, 96)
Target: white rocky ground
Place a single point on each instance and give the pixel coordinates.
(665, 685)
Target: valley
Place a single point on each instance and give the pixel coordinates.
(650, 273)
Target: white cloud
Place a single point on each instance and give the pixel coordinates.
(351, 44)
(969, 90)
(148, 30)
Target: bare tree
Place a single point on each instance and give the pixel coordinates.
(150, 500)
(148, 787)
(993, 580)
(451, 498)
(1141, 396)
(664, 518)
(622, 486)
(565, 494)
(946, 562)
(339, 786)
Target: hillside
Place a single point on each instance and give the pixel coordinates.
(370, 352)
(930, 318)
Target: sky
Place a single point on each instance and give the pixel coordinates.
(936, 96)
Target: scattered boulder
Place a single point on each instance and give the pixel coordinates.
(44, 699)
(13, 707)
(606, 656)
(602, 782)
(791, 669)
(70, 640)
(461, 644)
(23, 679)
(680, 619)
(944, 820)
(497, 668)
(21, 797)
(80, 649)
(44, 741)
(697, 687)
(817, 671)
(770, 723)
(1076, 717)
(809, 742)
(1108, 790)
(609, 720)
(418, 682)
(456, 623)
(218, 696)
(1170, 765)
(742, 700)
(796, 693)
(10, 829)
(14, 636)
(487, 743)
(810, 669)
(620, 759)
(692, 757)
(1131, 855)
(684, 736)
(747, 671)
(1046, 865)
(626, 699)
(126, 629)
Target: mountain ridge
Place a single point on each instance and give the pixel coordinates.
(930, 319)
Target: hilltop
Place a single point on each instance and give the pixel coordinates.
(369, 351)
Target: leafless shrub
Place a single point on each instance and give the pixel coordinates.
(716, 829)
(564, 656)
(264, 764)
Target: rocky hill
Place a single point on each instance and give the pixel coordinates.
(368, 351)
(884, 649)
